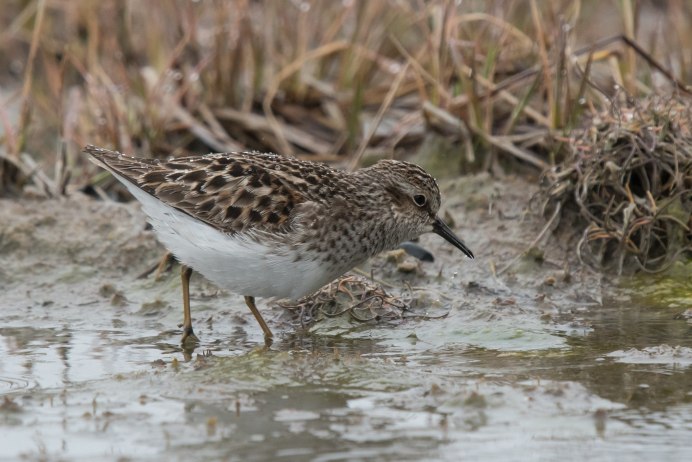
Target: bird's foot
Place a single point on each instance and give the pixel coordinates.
(189, 339)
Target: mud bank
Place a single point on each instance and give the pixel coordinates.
(543, 359)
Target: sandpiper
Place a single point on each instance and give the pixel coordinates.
(265, 225)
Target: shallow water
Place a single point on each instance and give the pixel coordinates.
(522, 367)
(389, 393)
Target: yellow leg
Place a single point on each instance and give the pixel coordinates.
(268, 336)
(188, 334)
(163, 263)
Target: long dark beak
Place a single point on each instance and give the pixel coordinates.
(439, 227)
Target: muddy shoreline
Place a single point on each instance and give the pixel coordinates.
(546, 358)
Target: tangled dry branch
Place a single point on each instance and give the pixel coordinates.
(363, 300)
(628, 176)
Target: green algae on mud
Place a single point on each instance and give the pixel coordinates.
(670, 289)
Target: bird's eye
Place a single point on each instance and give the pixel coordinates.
(419, 199)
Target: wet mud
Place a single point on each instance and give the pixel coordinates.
(540, 359)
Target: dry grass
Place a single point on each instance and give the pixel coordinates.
(361, 299)
(508, 83)
(628, 177)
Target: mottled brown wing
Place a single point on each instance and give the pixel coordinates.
(233, 192)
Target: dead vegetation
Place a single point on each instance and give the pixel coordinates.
(519, 85)
(362, 300)
(628, 177)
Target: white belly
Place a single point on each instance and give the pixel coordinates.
(230, 261)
